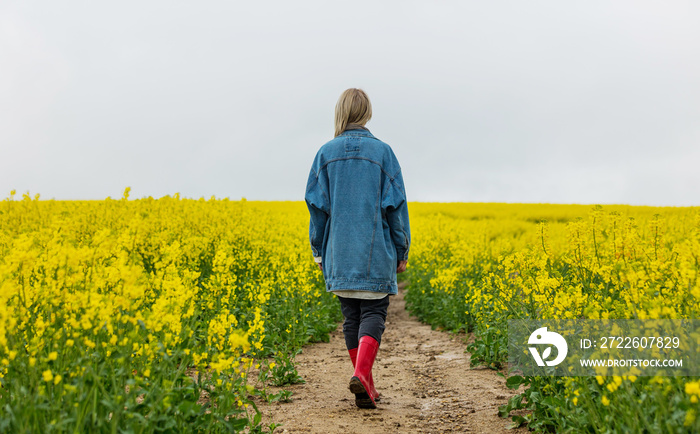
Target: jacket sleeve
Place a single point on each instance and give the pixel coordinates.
(319, 209)
(396, 208)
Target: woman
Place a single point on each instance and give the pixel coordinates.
(359, 231)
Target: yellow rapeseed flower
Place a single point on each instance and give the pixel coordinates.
(692, 388)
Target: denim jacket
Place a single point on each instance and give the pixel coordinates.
(359, 215)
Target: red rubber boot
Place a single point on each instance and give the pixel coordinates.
(360, 381)
(373, 390)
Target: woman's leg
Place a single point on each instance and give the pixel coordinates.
(352, 311)
(351, 326)
(372, 318)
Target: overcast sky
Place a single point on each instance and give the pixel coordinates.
(488, 101)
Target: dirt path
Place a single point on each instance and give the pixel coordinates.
(423, 376)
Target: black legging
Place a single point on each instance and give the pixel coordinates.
(363, 318)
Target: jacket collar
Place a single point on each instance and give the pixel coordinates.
(361, 131)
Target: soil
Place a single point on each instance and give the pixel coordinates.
(422, 375)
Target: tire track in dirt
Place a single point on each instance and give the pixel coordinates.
(423, 377)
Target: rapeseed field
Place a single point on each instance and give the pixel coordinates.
(175, 314)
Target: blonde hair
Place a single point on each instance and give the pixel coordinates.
(352, 110)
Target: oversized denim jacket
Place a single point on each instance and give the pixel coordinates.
(359, 215)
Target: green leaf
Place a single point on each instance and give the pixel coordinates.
(515, 381)
(518, 421)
